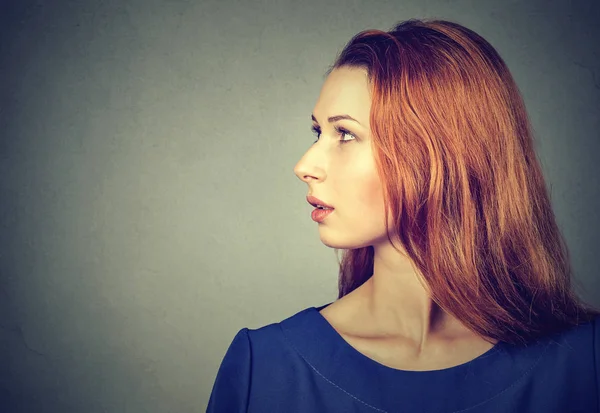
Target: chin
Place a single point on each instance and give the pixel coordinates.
(344, 243)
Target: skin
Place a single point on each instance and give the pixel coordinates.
(391, 317)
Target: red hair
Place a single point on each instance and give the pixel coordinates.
(455, 152)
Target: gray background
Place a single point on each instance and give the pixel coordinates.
(149, 205)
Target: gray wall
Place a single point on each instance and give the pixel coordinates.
(149, 205)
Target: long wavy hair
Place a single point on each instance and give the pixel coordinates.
(454, 149)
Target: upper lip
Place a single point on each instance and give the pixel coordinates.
(314, 201)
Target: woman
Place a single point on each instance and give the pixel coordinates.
(462, 301)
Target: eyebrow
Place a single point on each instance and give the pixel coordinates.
(336, 118)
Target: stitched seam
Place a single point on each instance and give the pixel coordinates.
(325, 378)
(385, 411)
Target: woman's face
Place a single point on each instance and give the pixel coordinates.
(343, 174)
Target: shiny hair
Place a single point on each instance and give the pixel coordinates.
(454, 149)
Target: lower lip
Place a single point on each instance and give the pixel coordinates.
(318, 215)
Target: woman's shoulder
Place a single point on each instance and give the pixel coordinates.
(586, 334)
(265, 353)
(294, 320)
(581, 341)
(275, 338)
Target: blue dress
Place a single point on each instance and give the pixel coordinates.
(302, 364)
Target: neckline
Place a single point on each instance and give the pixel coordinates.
(497, 349)
(453, 389)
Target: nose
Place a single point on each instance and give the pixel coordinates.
(303, 173)
(307, 171)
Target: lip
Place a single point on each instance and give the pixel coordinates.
(314, 201)
(319, 215)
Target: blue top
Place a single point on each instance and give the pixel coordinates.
(302, 364)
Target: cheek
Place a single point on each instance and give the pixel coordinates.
(366, 192)
(372, 190)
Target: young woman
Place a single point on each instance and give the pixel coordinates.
(455, 287)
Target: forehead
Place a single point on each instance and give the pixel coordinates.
(345, 91)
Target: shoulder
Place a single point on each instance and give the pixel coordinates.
(262, 358)
(573, 355)
(571, 363)
(274, 334)
(270, 344)
(580, 342)
(585, 335)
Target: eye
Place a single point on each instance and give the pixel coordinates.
(316, 131)
(341, 131)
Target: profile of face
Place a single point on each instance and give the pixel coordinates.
(339, 167)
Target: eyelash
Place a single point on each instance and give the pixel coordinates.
(317, 131)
